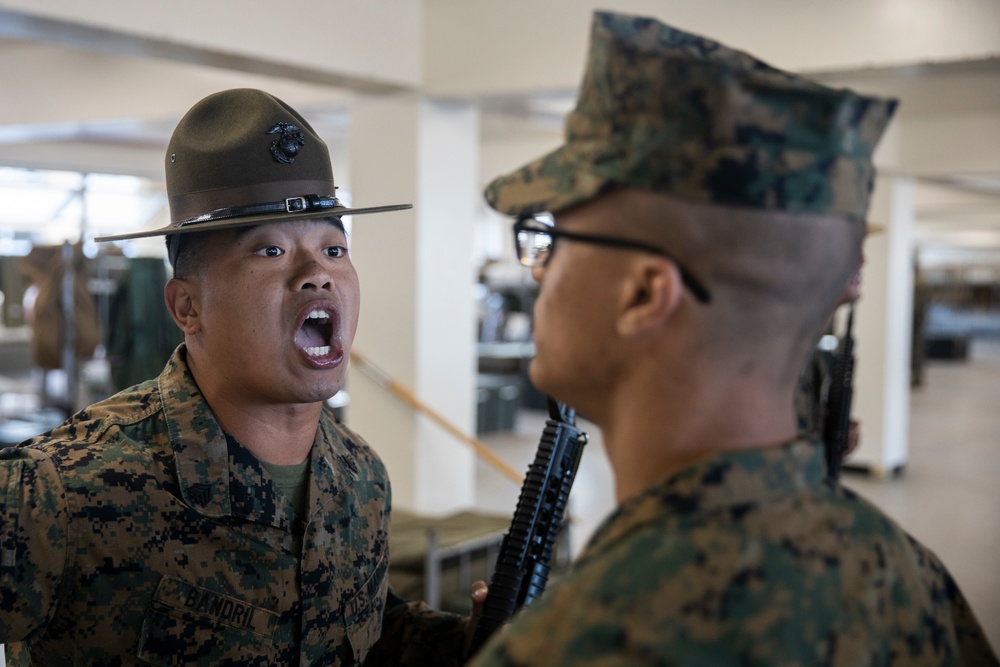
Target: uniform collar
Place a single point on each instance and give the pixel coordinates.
(218, 478)
(200, 449)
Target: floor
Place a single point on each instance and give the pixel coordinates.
(948, 496)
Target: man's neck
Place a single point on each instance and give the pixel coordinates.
(282, 434)
(651, 436)
(279, 434)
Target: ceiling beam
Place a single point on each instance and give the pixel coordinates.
(17, 25)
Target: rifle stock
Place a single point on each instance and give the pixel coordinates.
(522, 567)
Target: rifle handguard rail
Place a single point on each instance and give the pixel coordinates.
(522, 567)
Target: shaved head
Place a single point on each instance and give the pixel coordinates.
(775, 277)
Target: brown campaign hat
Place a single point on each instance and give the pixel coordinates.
(243, 157)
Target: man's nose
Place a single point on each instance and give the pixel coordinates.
(313, 273)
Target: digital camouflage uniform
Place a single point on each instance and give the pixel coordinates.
(138, 533)
(749, 558)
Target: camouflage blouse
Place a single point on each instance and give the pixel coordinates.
(749, 558)
(136, 534)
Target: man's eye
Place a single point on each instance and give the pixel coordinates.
(271, 251)
(336, 251)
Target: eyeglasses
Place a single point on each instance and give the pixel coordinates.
(535, 240)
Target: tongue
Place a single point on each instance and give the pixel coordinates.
(310, 335)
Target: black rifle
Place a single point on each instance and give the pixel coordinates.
(837, 421)
(522, 567)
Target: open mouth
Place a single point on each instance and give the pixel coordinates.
(316, 333)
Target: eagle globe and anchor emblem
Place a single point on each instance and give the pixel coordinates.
(286, 146)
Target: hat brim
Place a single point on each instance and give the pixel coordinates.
(247, 221)
(554, 182)
(557, 181)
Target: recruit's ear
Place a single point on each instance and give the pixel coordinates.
(182, 302)
(651, 293)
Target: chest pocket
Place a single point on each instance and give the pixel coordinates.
(187, 624)
(363, 613)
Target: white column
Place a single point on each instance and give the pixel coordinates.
(883, 330)
(417, 315)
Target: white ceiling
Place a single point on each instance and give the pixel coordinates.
(123, 107)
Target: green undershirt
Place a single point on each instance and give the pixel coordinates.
(293, 481)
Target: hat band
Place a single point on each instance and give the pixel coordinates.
(191, 205)
(298, 204)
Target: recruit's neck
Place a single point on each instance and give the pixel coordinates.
(654, 432)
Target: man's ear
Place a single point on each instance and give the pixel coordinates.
(651, 293)
(183, 304)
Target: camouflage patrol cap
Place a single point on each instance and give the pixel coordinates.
(243, 157)
(664, 110)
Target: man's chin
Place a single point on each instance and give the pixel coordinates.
(317, 391)
(542, 380)
(323, 394)
(563, 389)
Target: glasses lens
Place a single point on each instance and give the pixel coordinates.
(533, 246)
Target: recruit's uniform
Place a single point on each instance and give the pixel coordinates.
(138, 533)
(748, 558)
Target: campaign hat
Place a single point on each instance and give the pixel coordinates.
(243, 157)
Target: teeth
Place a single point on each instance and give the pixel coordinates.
(320, 318)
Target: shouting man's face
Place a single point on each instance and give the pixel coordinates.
(275, 309)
